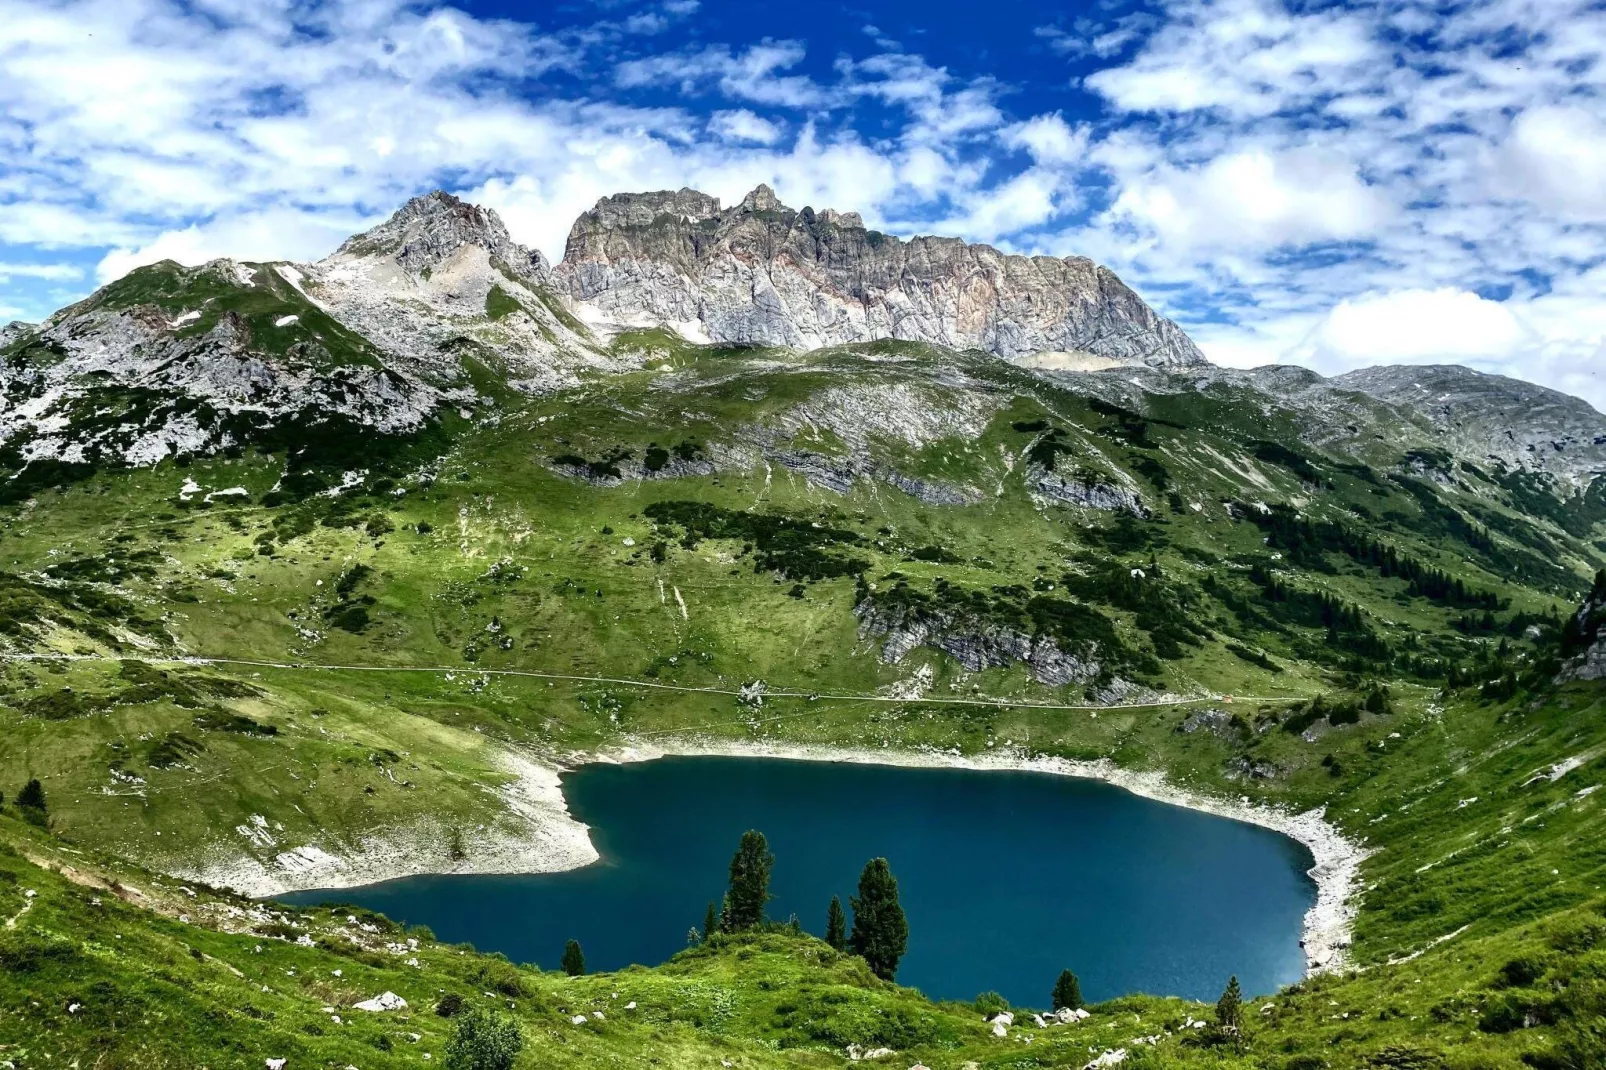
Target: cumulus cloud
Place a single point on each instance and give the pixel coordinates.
(1255, 199)
(1420, 326)
(275, 234)
(1244, 57)
(1555, 157)
(742, 125)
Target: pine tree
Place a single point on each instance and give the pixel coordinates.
(750, 882)
(32, 796)
(574, 960)
(1067, 991)
(725, 913)
(1230, 1013)
(483, 1041)
(836, 925)
(710, 922)
(880, 930)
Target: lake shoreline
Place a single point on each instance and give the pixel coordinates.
(1325, 933)
(539, 835)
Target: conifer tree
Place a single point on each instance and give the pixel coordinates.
(1230, 1013)
(1067, 991)
(750, 882)
(710, 921)
(574, 960)
(836, 925)
(880, 930)
(32, 796)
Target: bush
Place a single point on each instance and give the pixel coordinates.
(483, 1041)
(990, 1003)
(449, 1005)
(1521, 972)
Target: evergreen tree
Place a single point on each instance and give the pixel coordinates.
(725, 913)
(750, 882)
(836, 925)
(1067, 991)
(32, 796)
(483, 1041)
(574, 960)
(880, 930)
(710, 922)
(1230, 1014)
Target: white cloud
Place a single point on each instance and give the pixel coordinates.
(47, 272)
(1556, 158)
(1420, 326)
(276, 234)
(1245, 57)
(1254, 199)
(1050, 140)
(750, 74)
(742, 125)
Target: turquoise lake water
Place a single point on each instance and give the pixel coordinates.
(1006, 877)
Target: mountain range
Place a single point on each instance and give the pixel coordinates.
(391, 328)
(314, 575)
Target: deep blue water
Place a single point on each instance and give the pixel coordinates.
(1006, 877)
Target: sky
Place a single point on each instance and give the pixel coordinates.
(1328, 184)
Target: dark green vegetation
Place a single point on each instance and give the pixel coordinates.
(880, 934)
(1390, 641)
(1067, 992)
(749, 883)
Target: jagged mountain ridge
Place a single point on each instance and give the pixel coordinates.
(438, 305)
(761, 273)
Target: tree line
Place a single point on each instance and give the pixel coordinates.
(1306, 541)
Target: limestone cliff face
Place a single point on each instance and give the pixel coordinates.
(762, 273)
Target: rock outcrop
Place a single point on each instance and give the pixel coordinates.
(427, 231)
(1583, 643)
(761, 273)
(975, 645)
(1492, 417)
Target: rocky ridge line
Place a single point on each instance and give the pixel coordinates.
(761, 273)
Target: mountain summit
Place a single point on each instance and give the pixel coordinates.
(761, 273)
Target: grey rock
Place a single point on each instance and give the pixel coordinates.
(428, 230)
(974, 645)
(761, 273)
(1053, 487)
(14, 330)
(1492, 417)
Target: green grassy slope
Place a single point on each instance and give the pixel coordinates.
(616, 562)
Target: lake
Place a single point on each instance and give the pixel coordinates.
(1006, 877)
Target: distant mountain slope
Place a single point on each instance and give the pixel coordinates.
(1520, 423)
(761, 273)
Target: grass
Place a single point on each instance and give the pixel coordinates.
(482, 553)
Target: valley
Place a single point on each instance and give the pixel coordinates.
(308, 610)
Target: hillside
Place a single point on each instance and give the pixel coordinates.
(315, 574)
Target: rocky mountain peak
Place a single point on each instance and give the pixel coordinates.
(429, 229)
(641, 209)
(761, 273)
(762, 199)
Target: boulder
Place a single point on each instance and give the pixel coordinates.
(385, 1001)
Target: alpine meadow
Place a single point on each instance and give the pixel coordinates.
(317, 575)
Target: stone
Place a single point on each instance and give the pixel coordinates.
(761, 273)
(385, 1001)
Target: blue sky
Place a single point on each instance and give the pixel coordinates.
(1329, 184)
